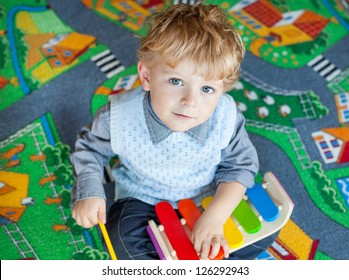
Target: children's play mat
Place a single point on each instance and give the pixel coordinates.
(61, 59)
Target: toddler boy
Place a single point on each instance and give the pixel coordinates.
(177, 136)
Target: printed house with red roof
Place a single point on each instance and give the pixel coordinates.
(333, 144)
(279, 28)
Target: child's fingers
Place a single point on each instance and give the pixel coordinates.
(226, 248)
(197, 241)
(201, 246)
(102, 215)
(205, 250)
(215, 247)
(89, 221)
(87, 212)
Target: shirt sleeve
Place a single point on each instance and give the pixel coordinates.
(92, 152)
(239, 159)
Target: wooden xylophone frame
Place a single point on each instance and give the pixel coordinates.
(275, 191)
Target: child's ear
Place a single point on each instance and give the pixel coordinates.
(144, 75)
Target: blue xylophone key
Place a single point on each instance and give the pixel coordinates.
(263, 203)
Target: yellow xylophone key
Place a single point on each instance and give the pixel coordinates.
(231, 233)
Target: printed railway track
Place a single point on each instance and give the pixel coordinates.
(294, 139)
(20, 241)
(40, 141)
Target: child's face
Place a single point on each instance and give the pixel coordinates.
(180, 96)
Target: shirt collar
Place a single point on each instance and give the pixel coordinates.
(159, 131)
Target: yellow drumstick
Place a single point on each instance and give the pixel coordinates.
(107, 241)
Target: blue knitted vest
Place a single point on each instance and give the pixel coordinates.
(177, 167)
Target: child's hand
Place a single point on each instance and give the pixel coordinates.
(87, 212)
(207, 237)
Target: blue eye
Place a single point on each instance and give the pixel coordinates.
(176, 82)
(207, 89)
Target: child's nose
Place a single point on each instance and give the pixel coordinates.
(189, 99)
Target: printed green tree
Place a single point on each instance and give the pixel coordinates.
(64, 175)
(90, 253)
(328, 193)
(58, 157)
(65, 195)
(3, 53)
(74, 227)
(319, 108)
(310, 47)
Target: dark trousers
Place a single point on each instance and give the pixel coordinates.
(126, 224)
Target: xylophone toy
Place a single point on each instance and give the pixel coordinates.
(264, 210)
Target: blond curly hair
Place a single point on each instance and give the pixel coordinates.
(199, 32)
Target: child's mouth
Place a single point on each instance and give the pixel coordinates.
(184, 117)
